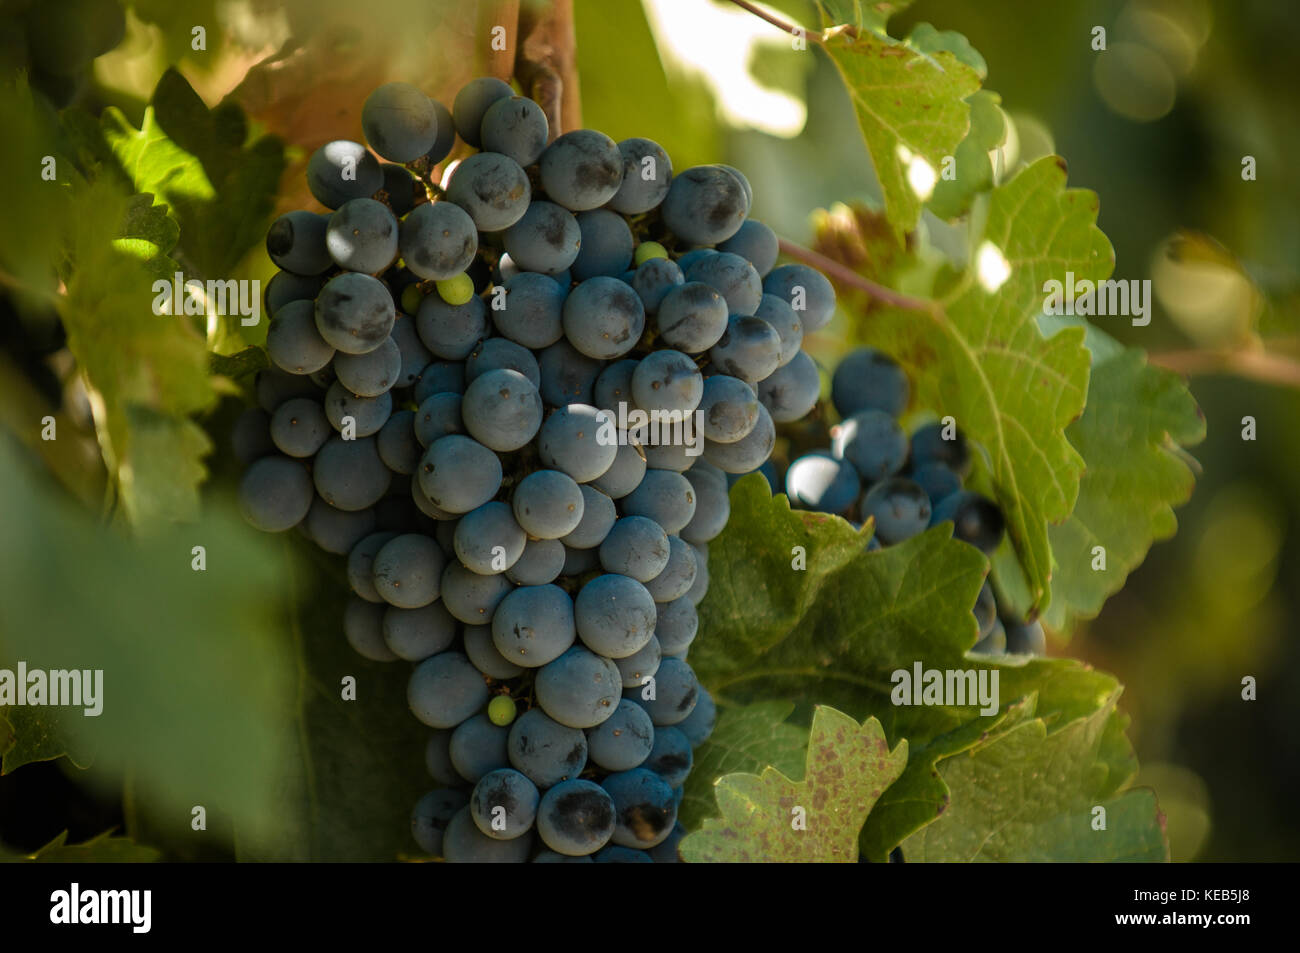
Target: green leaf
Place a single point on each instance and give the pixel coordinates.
(1137, 419)
(1030, 795)
(103, 849)
(745, 739)
(860, 14)
(194, 678)
(240, 364)
(972, 169)
(912, 110)
(848, 767)
(983, 360)
(150, 234)
(926, 39)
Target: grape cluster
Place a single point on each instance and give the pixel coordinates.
(55, 41)
(452, 367)
(906, 484)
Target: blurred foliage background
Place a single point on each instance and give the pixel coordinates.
(1158, 124)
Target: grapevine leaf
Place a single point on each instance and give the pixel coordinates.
(848, 767)
(30, 734)
(973, 172)
(745, 739)
(984, 361)
(912, 110)
(1137, 419)
(103, 849)
(925, 38)
(149, 234)
(1031, 795)
(240, 364)
(860, 14)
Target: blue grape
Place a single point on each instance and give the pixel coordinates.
(544, 750)
(995, 643)
(472, 103)
(698, 725)
(548, 504)
(579, 689)
(705, 205)
(488, 540)
(446, 137)
(603, 318)
(756, 243)
(299, 427)
(785, 322)
(732, 277)
(546, 239)
(598, 517)
(502, 410)
(712, 507)
(451, 331)
(643, 806)
(977, 519)
(483, 653)
(930, 447)
(749, 348)
(361, 559)
(340, 171)
(532, 315)
(676, 626)
(820, 482)
(641, 664)
(362, 236)
(730, 408)
(285, 286)
(349, 474)
(615, 616)
(438, 416)
(1026, 638)
(695, 254)
(581, 170)
(492, 188)
(478, 747)
(426, 506)
(355, 313)
(296, 242)
(701, 587)
(250, 438)
(873, 442)
(363, 628)
(416, 634)
(624, 474)
(692, 317)
(497, 353)
(677, 454)
(622, 741)
(567, 375)
(579, 561)
(438, 240)
(515, 127)
(415, 357)
(459, 474)
(275, 494)
(335, 530)
(504, 804)
(534, 625)
(937, 480)
(644, 183)
(665, 497)
(407, 570)
(397, 445)
(636, 547)
(613, 854)
(445, 689)
(985, 610)
(614, 385)
(665, 852)
(806, 290)
(439, 377)
(866, 379)
(464, 843)
(667, 380)
(676, 690)
(400, 122)
(372, 373)
(789, 393)
(901, 509)
(432, 814)
(399, 186)
(678, 575)
(542, 562)
(739, 177)
(471, 598)
(671, 756)
(607, 245)
(576, 818)
(572, 441)
(654, 279)
(437, 759)
(367, 414)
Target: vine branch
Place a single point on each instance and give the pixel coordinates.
(547, 64)
(1258, 365)
(850, 278)
(770, 18)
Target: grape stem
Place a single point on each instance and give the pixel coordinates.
(850, 278)
(770, 18)
(1259, 365)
